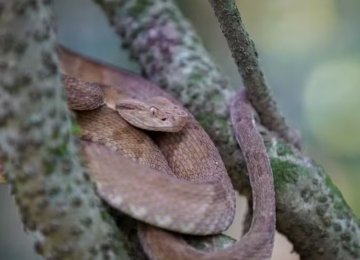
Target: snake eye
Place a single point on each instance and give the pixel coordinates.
(153, 111)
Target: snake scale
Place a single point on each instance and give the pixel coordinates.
(201, 199)
(175, 181)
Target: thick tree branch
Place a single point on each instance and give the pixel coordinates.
(246, 58)
(56, 200)
(310, 210)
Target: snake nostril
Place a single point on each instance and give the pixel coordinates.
(163, 119)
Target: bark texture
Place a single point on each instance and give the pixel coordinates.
(311, 211)
(57, 202)
(245, 55)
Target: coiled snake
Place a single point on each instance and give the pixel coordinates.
(175, 181)
(203, 207)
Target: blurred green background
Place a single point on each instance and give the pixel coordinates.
(310, 54)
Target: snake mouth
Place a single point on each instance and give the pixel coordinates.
(126, 107)
(173, 128)
(159, 127)
(164, 129)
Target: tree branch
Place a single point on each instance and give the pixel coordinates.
(57, 202)
(311, 211)
(245, 55)
(2, 174)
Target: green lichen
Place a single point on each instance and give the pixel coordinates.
(223, 122)
(215, 98)
(49, 167)
(334, 189)
(105, 216)
(283, 149)
(195, 78)
(205, 120)
(76, 129)
(285, 173)
(138, 9)
(61, 150)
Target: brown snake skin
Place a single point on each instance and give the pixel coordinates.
(156, 196)
(206, 205)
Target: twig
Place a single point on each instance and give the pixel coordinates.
(57, 202)
(246, 58)
(310, 210)
(2, 173)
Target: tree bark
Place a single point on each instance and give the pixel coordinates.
(311, 211)
(57, 201)
(246, 58)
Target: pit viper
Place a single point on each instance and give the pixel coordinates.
(174, 180)
(184, 186)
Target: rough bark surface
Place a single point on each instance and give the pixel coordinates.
(245, 55)
(311, 211)
(57, 202)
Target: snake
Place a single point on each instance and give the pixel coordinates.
(171, 179)
(176, 181)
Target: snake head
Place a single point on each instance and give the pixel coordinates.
(154, 114)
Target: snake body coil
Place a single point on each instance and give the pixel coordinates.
(179, 181)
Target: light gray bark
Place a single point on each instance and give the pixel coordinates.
(57, 202)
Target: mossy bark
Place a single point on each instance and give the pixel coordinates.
(57, 202)
(310, 210)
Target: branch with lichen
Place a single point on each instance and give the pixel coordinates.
(311, 211)
(57, 202)
(245, 55)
